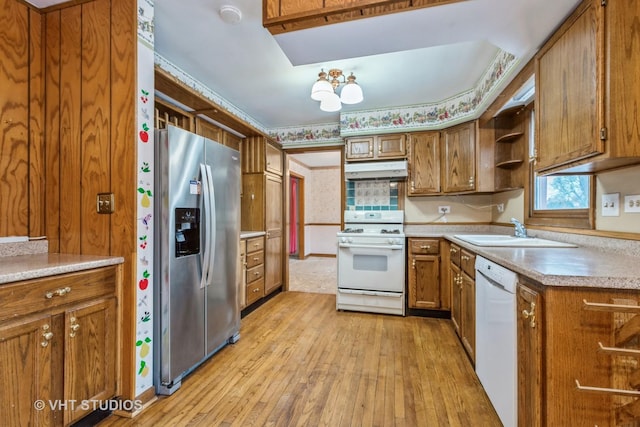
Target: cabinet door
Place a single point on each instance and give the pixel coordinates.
(569, 98)
(424, 163)
(208, 130)
(90, 355)
(273, 159)
(274, 238)
(468, 315)
(25, 369)
(391, 146)
(456, 297)
(459, 159)
(359, 148)
(530, 373)
(424, 282)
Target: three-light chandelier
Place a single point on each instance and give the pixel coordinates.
(324, 90)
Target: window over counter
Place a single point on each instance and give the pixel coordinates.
(558, 200)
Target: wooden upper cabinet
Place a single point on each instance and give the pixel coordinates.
(208, 130)
(281, 16)
(260, 155)
(459, 158)
(587, 91)
(359, 148)
(376, 147)
(274, 163)
(424, 163)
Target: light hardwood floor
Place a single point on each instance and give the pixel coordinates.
(299, 362)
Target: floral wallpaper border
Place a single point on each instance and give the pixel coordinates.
(464, 106)
(431, 116)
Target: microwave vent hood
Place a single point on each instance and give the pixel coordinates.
(393, 170)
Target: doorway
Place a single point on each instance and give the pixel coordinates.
(296, 216)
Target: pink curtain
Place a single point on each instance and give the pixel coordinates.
(293, 223)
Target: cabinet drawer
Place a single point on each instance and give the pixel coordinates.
(255, 258)
(255, 244)
(255, 273)
(255, 291)
(468, 263)
(425, 246)
(34, 295)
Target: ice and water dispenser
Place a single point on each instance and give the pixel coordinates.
(187, 231)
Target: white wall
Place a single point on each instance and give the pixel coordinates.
(322, 210)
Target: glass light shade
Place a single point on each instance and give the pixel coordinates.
(351, 93)
(331, 103)
(321, 89)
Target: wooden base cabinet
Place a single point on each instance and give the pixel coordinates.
(426, 290)
(463, 297)
(58, 346)
(572, 360)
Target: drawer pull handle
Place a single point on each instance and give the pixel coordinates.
(74, 327)
(465, 258)
(59, 292)
(256, 273)
(603, 390)
(453, 251)
(256, 244)
(425, 247)
(256, 259)
(256, 290)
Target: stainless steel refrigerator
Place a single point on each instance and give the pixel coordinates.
(197, 231)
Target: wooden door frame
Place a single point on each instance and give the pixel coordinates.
(301, 222)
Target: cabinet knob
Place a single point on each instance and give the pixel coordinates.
(74, 327)
(47, 335)
(453, 251)
(531, 315)
(465, 258)
(425, 247)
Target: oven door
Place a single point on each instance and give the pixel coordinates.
(374, 267)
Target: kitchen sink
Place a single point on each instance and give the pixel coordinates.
(500, 240)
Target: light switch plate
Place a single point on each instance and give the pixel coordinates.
(611, 204)
(632, 203)
(105, 203)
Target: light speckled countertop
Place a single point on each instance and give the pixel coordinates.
(585, 266)
(24, 267)
(250, 234)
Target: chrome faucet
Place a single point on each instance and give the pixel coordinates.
(520, 230)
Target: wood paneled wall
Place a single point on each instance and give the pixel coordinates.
(90, 120)
(21, 149)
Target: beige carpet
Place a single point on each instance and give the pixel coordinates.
(313, 274)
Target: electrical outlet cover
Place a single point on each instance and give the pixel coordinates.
(611, 204)
(632, 203)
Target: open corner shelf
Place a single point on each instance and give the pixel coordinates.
(509, 164)
(510, 137)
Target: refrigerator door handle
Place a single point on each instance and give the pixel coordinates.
(212, 222)
(206, 208)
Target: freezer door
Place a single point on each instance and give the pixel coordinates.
(179, 197)
(222, 310)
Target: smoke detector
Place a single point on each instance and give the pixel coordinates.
(230, 14)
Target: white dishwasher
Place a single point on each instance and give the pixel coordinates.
(496, 337)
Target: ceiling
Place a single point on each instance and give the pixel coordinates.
(408, 58)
